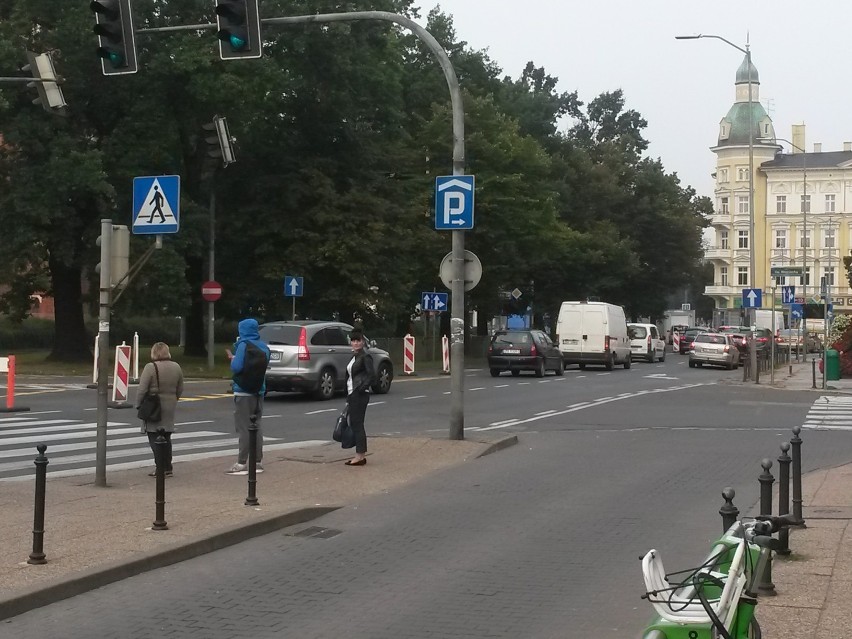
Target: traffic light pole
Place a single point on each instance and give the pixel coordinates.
(211, 276)
(103, 353)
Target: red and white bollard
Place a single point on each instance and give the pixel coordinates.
(408, 355)
(445, 355)
(121, 377)
(7, 365)
(675, 342)
(94, 383)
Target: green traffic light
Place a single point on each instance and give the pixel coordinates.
(237, 43)
(116, 59)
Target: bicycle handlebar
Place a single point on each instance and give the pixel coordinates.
(776, 523)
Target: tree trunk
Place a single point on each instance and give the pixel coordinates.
(196, 342)
(70, 341)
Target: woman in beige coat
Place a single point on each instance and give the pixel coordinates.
(169, 388)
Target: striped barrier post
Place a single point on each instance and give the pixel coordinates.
(121, 377)
(94, 383)
(445, 355)
(134, 378)
(675, 342)
(408, 355)
(7, 365)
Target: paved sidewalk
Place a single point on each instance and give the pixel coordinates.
(95, 536)
(813, 582)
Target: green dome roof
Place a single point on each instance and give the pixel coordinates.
(738, 119)
(742, 73)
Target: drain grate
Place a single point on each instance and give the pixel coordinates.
(316, 531)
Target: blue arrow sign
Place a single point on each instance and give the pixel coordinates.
(797, 311)
(293, 286)
(788, 294)
(156, 204)
(752, 298)
(431, 301)
(454, 202)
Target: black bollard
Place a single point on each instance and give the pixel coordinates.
(784, 496)
(766, 480)
(251, 499)
(729, 512)
(160, 459)
(37, 556)
(796, 444)
(813, 373)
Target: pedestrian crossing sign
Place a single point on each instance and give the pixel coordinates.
(156, 204)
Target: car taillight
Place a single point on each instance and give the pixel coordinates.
(727, 349)
(649, 342)
(533, 350)
(490, 348)
(606, 342)
(304, 353)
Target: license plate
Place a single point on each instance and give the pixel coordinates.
(511, 351)
(275, 356)
(570, 341)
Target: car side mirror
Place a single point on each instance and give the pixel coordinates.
(372, 343)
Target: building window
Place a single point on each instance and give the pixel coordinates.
(780, 281)
(828, 239)
(780, 239)
(805, 241)
(742, 239)
(723, 239)
(807, 277)
(806, 204)
(829, 203)
(742, 275)
(780, 203)
(723, 176)
(742, 204)
(723, 274)
(829, 276)
(742, 173)
(723, 206)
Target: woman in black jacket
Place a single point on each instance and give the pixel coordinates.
(359, 379)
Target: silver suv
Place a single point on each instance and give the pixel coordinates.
(311, 356)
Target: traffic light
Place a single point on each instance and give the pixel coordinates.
(116, 38)
(117, 247)
(45, 81)
(220, 145)
(239, 29)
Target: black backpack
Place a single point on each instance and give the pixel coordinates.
(251, 378)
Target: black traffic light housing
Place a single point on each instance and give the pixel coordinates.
(239, 29)
(116, 38)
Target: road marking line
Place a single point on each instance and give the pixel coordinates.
(502, 386)
(414, 397)
(477, 388)
(322, 410)
(547, 412)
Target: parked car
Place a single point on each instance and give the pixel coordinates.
(714, 348)
(593, 333)
(741, 342)
(762, 338)
(745, 330)
(524, 350)
(792, 338)
(310, 356)
(646, 343)
(686, 339)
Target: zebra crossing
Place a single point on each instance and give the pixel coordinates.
(71, 445)
(830, 412)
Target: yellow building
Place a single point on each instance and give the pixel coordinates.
(801, 217)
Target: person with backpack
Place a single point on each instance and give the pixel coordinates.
(248, 367)
(360, 377)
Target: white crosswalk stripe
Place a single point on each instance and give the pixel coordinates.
(71, 446)
(830, 412)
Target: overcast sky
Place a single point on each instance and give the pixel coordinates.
(681, 87)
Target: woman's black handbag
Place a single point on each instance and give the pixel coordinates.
(149, 408)
(342, 430)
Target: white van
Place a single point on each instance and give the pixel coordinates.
(645, 342)
(593, 333)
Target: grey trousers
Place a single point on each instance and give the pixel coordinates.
(244, 407)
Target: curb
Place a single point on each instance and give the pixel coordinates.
(494, 446)
(118, 570)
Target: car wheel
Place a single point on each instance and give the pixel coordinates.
(539, 368)
(495, 372)
(692, 364)
(610, 363)
(628, 361)
(384, 377)
(515, 373)
(582, 367)
(560, 370)
(325, 387)
(651, 357)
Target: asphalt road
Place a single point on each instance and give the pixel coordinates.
(539, 540)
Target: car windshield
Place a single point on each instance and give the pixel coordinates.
(692, 332)
(513, 337)
(638, 332)
(732, 329)
(705, 338)
(280, 334)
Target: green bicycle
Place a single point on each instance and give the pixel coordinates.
(717, 599)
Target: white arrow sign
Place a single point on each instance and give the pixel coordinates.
(294, 287)
(751, 297)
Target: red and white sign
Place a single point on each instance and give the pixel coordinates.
(408, 355)
(675, 342)
(121, 375)
(211, 291)
(445, 355)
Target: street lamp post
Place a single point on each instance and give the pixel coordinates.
(752, 269)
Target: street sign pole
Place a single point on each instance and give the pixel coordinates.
(211, 273)
(294, 309)
(772, 345)
(103, 355)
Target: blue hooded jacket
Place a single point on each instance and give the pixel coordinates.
(248, 333)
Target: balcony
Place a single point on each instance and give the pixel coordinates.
(726, 290)
(716, 253)
(721, 219)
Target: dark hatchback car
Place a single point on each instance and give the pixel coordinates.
(523, 350)
(688, 337)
